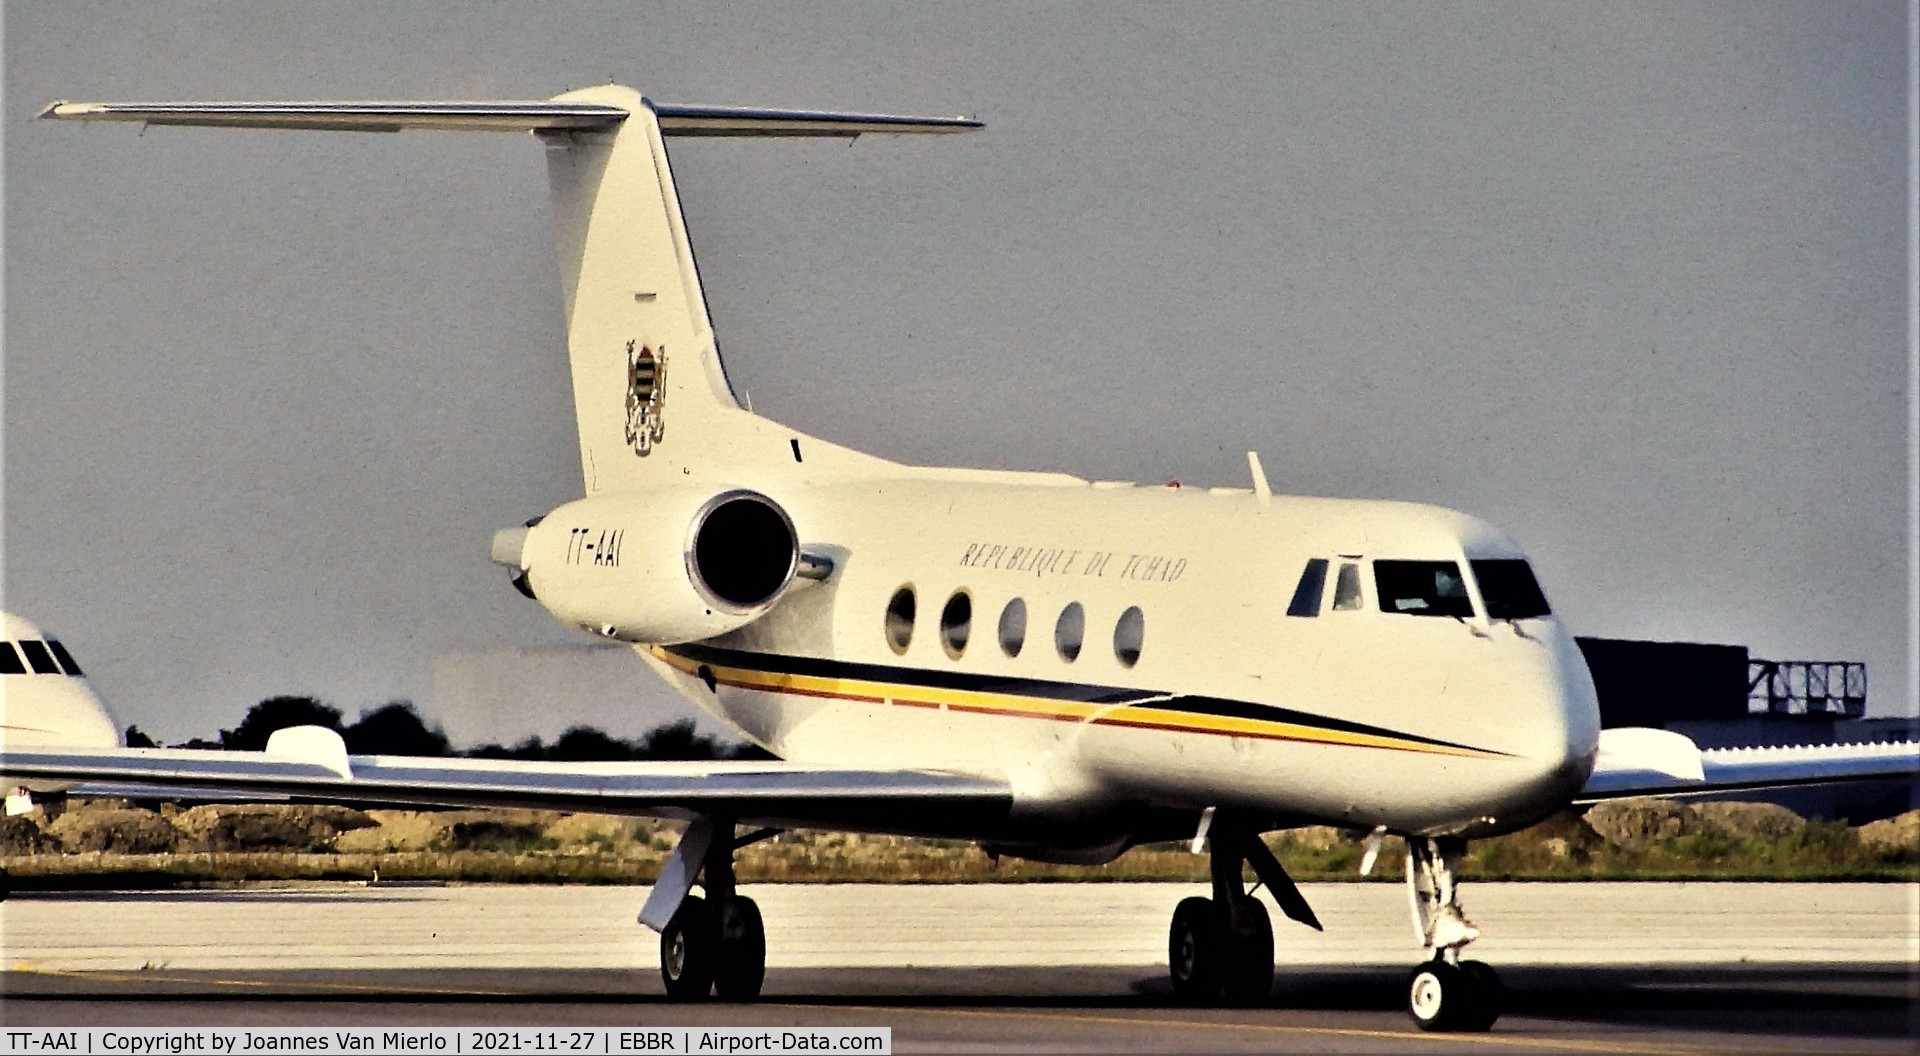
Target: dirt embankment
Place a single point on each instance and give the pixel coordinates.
(101, 840)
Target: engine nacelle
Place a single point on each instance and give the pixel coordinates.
(665, 565)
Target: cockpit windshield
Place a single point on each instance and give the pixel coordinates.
(1422, 588)
(1509, 589)
(38, 658)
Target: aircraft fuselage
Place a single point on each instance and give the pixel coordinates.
(1123, 652)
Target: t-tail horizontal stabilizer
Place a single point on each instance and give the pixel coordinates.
(546, 115)
(651, 397)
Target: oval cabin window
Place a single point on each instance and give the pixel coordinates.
(1070, 631)
(1013, 627)
(956, 623)
(900, 619)
(1127, 635)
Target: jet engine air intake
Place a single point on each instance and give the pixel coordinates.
(663, 565)
(744, 550)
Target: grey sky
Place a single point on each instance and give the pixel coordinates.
(1627, 279)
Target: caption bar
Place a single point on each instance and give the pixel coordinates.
(247, 1041)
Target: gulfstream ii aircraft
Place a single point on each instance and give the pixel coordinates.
(1054, 668)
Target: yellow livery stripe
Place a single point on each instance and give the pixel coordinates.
(1141, 709)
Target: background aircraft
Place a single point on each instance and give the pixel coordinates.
(45, 699)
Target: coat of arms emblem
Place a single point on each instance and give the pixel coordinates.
(646, 392)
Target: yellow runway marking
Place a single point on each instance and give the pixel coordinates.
(1567, 1044)
(1410, 1036)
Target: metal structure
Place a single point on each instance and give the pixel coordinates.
(1816, 688)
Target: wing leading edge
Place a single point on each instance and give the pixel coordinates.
(1643, 762)
(769, 793)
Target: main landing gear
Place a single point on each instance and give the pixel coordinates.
(1445, 993)
(713, 945)
(1221, 948)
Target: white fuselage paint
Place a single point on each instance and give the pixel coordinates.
(48, 708)
(1480, 726)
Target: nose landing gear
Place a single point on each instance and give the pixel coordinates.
(1446, 993)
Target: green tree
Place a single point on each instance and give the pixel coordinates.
(580, 744)
(531, 748)
(395, 729)
(278, 713)
(677, 740)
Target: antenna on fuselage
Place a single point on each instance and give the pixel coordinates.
(1261, 489)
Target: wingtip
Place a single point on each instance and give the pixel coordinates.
(61, 109)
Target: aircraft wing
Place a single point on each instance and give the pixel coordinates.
(1647, 762)
(312, 768)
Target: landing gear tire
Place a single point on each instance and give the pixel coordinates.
(1448, 997)
(742, 950)
(1195, 949)
(689, 946)
(1435, 992)
(1248, 975)
(1489, 995)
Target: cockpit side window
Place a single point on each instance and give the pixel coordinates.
(10, 660)
(1509, 589)
(1346, 589)
(38, 658)
(1306, 596)
(66, 659)
(1422, 588)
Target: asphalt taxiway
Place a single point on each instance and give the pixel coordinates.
(1690, 968)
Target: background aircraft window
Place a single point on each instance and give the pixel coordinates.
(1127, 635)
(900, 619)
(1346, 590)
(1013, 627)
(1421, 588)
(10, 660)
(956, 622)
(38, 658)
(1509, 589)
(1313, 582)
(66, 659)
(1069, 631)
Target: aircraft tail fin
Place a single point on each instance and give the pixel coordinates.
(651, 395)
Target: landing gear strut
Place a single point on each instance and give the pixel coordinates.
(1445, 993)
(715, 944)
(1222, 947)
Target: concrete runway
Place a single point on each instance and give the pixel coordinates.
(1690, 968)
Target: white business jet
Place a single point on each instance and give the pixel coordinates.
(1054, 668)
(45, 701)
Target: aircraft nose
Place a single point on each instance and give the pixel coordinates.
(1565, 722)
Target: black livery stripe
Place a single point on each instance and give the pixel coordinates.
(1039, 699)
(1243, 709)
(967, 682)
